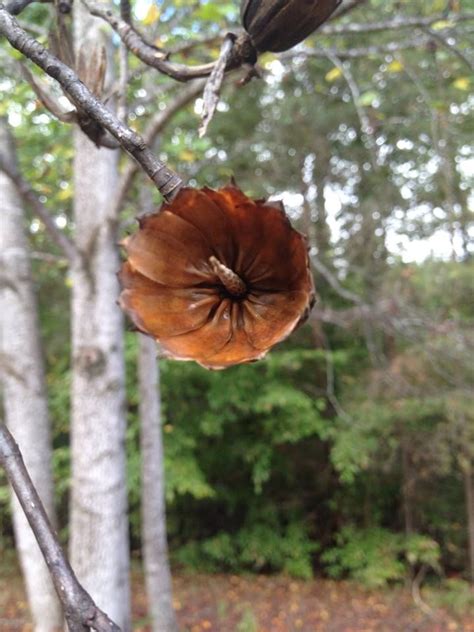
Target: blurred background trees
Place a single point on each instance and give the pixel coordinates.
(349, 451)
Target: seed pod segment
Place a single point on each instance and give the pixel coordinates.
(278, 25)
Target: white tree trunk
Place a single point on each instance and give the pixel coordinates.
(155, 548)
(99, 526)
(24, 390)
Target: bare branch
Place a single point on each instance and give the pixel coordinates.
(365, 124)
(167, 181)
(451, 47)
(356, 53)
(334, 283)
(15, 7)
(214, 84)
(243, 50)
(155, 127)
(394, 25)
(9, 166)
(48, 101)
(80, 610)
(346, 8)
(96, 133)
(147, 53)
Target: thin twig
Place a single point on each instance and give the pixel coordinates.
(167, 181)
(451, 47)
(147, 53)
(393, 25)
(365, 124)
(46, 99)
(214, 83)
(79, 609)
(346, 8)
(10, 167)
(334, 283)
(356, 53)
(122, 107)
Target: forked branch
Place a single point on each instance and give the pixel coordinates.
(166, 181)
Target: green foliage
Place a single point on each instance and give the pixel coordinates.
(248, 622)
(257, 547)
(454, 594)
(376, 557)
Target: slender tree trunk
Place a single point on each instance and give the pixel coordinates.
(407, 489)
(468, 474)
(99, 527)
(24, 389)
(155, 548)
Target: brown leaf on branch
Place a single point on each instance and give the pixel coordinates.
(216, 277)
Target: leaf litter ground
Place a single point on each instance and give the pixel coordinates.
(231, 603)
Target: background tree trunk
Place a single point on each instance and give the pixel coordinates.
(155, 548)
(24, 389)
(99, 527)
(468, 474)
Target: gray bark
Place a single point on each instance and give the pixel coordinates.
(155, 547)
(99, 527)
(24, 391)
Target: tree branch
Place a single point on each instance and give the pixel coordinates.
(9, 166)
(451, 47)
(80, 610)
(334, 282)
(148, 54)
(346, 8)
(356, 53)
(15, 7)
(393, 25)
(167, 181)
(155, 127)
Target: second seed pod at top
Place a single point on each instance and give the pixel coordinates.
(277, 25)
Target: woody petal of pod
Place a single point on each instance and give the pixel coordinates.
(170, 251)
(278, 25)
(198, 209)
(164, 311)
(206, 341)
(216, 277)
(271, 317)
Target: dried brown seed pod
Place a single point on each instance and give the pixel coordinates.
(277, 25)
(216, 277)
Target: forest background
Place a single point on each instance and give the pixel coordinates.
(349, 451)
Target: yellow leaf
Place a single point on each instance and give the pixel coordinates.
(152, 15)
(395, 66)
(266, 59)
(186, 155)
(441, 24)
(64, 194)
(462, 83)
(333, 74)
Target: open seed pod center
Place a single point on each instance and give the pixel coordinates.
(229, 279)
